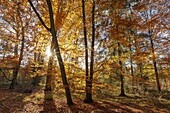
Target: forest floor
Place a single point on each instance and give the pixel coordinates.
(15, 101)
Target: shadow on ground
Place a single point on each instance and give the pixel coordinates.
(11, 101)
(45, 102)
(49, 103)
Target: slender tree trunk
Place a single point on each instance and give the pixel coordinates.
(154, 63)
(130, 47)
(88, 98)
(16, 57)
(62, 69)
(139, 63)
(15, 72)
(137, 54)
(122, 93)
(55, 46)
(131, 60)
(60, 60)
(92, 50)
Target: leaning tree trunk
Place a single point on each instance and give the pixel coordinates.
(60, 60)
(62, 69)
(55, 44)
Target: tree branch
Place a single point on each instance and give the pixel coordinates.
(38, 15)
(9, 23)
(5, 75)
(51, 14)
(52, 25)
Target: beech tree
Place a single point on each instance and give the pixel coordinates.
(89, 77)
(102, 47)
(15, 21)
(15, 72)
(55, 45)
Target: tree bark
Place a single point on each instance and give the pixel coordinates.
(154, 63)
(60, 60)
(89, 99)
(15, 71)
(55, 46)
(49, 75)
(131, 59)
(122, 91)
(36, 79)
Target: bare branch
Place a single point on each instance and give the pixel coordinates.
(38, 15)
(51, 14)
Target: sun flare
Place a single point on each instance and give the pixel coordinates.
(48, 51)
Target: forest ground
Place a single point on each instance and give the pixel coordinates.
(16, 101)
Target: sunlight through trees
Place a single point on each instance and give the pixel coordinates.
(85, 48)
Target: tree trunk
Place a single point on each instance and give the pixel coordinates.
(60, 60)
(36, 79)
(62, 69)
(13, 82)
(154, 63)
(88, 98)
(131, 60)
(15, 72)
(122, 93)
(55, 46)
(49, 75)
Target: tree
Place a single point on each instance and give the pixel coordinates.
(92, 51)
(55, 45)
(15, 21)
(153, 21)
(15, 72)
(89, 78)
(86, 51)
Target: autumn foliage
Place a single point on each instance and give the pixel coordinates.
(88, 48)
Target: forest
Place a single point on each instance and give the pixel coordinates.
(84, 56)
